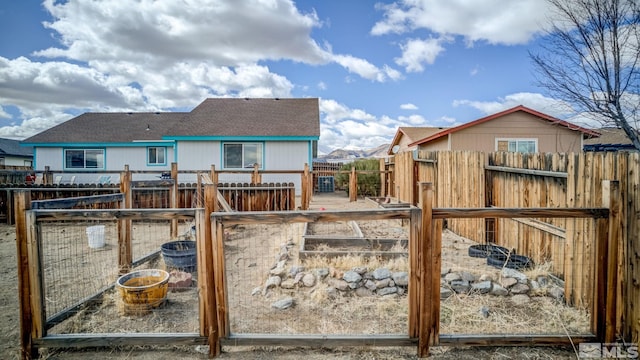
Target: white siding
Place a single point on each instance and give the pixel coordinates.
(51, 157)
(198, 155)
(286, 155)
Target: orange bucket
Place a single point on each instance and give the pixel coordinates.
(143, 290)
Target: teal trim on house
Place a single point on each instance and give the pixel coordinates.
(241, 138)
(35, 153)
(104, 160)
(103, 145)
(164, 148)
(310, 155)
(264, 155)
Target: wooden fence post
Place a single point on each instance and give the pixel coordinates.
(174, 198)
(211, 308)
(256, 178)
(125, 256)
(353, 185)
(22, 203)
(383, 178)
(214, 175)
(47, 176)
(615, 238)
(426, 323)
(304, 191)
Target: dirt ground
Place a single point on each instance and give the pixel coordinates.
(9, 322)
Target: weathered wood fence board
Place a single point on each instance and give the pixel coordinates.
(501, 179)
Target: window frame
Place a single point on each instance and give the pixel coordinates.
(164, 155)
(516, 141)
(260, 155)
(84, 156)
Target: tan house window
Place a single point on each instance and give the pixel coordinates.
(517, 145)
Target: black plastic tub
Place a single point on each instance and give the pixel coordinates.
(485, 250)
(180, 255)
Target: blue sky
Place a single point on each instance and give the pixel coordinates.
(374, 66)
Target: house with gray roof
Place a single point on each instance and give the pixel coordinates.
(12, 154)
(230, 133)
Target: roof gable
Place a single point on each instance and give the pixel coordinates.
(412, 134)
(537, 114)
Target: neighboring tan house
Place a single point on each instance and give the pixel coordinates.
(518, 129)
(406, 135)
(230, 133)
(611, 139)
(13, 154)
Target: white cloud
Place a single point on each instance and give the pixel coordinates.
(157, 33)
(493, 21)
(416, 52)
(346, 128)
(408, 106)
(365, 69)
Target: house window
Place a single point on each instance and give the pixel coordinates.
(242, 155)
(517, 145)
(156, 156)
(84, 159)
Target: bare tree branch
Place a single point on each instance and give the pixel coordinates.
(591, 58)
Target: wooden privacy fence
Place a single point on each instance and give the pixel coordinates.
(473, 179)
(167, 193)
(423, 299)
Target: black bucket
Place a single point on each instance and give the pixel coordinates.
(180, 255)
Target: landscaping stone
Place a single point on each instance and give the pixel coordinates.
(444, 271)
(508, 282)
(485, 277)
(382, 283)
(519, 288)
(445, 293)
(460, 286)
(309, 280)
(360, 270)
(512, 273)
(283, 304)
(387, 291)
(381, 273)
(338, 284)
(543, 280)
(322, 272)
(272, 281)
(452, 277)
(295, 270)
(288, 284)
(370, 285)
(401, 278)
(484, 312)
(498, 290)
(351, 277)
(278, 271)
(482, 287)
(363, 292)
(256, 290)
(467, 276)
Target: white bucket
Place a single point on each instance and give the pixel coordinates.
(96, 236)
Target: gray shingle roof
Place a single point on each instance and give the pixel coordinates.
(213, 117)
(12, 147)
(109, 128)
(252, 117)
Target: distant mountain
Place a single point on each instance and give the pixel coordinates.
(350, 155)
